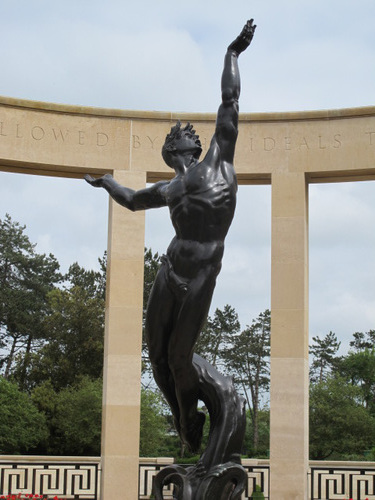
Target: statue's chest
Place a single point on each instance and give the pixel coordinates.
(201, 183)
(200, 197)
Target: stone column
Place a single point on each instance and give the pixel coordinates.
(122, 351)
(289, 337)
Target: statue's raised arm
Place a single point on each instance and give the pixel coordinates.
(227, 117)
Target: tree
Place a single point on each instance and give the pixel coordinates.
(360, 341)
(339, 424)
(263, 434)
(248, 360)
(94, 282)
(359, 368)
(22, 426)
(324, 356)
(217, 335)
(77, 419)
(26, 278)
(153, 424)
(75, 326)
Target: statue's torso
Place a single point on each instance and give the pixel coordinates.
(201, 204)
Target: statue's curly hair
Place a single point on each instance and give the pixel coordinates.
(176, 133)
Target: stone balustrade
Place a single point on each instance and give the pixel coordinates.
(78, 478)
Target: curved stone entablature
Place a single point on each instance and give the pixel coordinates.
(64, 140)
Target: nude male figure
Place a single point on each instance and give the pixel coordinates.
(201, 199)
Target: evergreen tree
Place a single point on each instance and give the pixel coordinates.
(218, 334)
(26, 278)
(248, 360)
(75, 326)
(359, 368)
(324, 356)
(363, 340)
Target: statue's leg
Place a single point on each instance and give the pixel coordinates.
(189, 322)
(158, 328)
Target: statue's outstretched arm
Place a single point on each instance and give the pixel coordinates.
(152, 197)
(227, 118)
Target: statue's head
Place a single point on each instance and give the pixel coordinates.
(181, 141)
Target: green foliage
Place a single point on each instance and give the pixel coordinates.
(339, 424)
(217, 335)
(25, 280)
(22, 426)
(154, 424)
(324, 356)
(359, 368)
(75, 326)
(257, 493)
(73, 416)
(77, 419)
(248, 361)
(263, 446)
(363, 340)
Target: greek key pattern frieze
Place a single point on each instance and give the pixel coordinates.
(342, 483)
(67, 480)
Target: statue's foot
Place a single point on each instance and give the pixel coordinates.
(192, 433)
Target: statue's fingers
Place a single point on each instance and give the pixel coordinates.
(250, 26)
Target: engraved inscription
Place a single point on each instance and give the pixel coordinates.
(136, 142)
(59, 134)
(37, 133)
(268, 143)
(40, 133)
(371, 138)
(156, 143)
(152, 141)
(101, 139)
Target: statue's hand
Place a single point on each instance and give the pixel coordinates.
(96, 182)
(244, 38)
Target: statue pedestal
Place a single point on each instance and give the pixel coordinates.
(223, 482)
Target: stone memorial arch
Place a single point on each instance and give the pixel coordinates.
(286, 150)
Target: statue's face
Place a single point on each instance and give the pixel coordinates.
(183, 145)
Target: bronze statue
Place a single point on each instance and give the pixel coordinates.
(201, 199)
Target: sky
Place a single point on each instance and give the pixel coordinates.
(167, 56)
